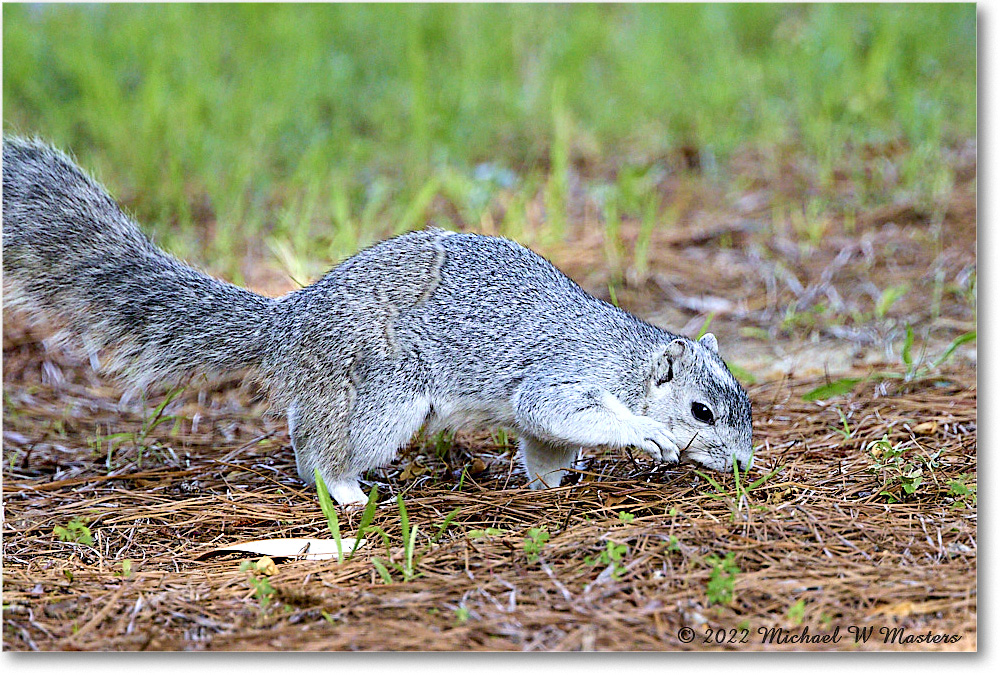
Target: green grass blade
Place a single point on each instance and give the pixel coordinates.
(410, 545)
(404, 519)
(760, 481)
(907, 346)
(704, 326)
(383, 571)
(831, 389)
(736, 476)
(366, 518)
(173, 394)
(955, 344)
(447, 521)
(385, 537)
(711, 481)
(330, 511)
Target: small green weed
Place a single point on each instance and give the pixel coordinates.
(897, 469)
(719, 590)
(810, 223)
(126, 571)
(650, 219)
(807, 318)
(76, 531)
(488, 532)
(407, 567)
(501, 438)
(442, 442)
(796, 613)
(533, 543)
(613, 555)
(141, 440)
(845, 430)
(261, 585)
(740, 497)
(963, 492)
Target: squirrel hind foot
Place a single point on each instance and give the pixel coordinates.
(347, 492)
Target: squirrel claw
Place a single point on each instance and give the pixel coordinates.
(657, 440)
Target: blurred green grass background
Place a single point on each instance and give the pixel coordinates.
(321, 128)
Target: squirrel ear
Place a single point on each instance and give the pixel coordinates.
(675, 349)
(665, 361)
(708, 340)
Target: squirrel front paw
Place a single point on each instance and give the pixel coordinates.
(656, 439)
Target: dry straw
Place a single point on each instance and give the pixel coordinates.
(815, 544)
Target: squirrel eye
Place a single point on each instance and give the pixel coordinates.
(702, 413)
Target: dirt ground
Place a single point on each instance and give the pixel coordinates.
(830, 543)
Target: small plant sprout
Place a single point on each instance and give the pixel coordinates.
(796, 612)
(488, 532)
(846, 430)
(257, 573)
(649, 222)
(333, 522)
(75, 531)
(612, 556)
(409, 541)
(533, 543)
(964, 493)
(741, 495)
(140, 439)
(907, 353)
(722, 579)
(900, 471)
(888, 298)
(501, 438)
(407, 568)
(626, 517)
(443, 441)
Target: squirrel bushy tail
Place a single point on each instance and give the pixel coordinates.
(71, 252)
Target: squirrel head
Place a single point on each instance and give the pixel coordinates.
(692, 391)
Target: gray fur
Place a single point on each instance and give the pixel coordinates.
(427, 328)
